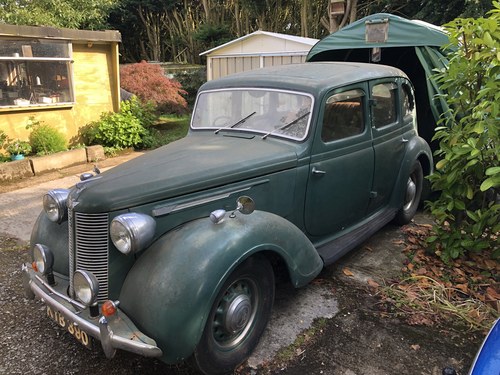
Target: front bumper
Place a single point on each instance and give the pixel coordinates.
(115, 332)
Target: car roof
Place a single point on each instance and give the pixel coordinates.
(308, 77)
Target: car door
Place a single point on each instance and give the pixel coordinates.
(388, 142)
(341, 165)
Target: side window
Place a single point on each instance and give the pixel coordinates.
(343, 115)
(384, 108)
(408, 100)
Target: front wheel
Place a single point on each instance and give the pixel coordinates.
(413, 192)
(237, 318)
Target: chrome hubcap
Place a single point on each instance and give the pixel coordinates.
(235, 313)
(238, 314)
(411, 192)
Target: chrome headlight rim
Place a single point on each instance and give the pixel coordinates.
(86, 287)
(132, 232)
(43, 258)
(54, 205)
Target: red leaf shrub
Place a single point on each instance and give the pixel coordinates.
(149, 83)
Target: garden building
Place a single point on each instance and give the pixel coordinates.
(62, 77)
(256, 50)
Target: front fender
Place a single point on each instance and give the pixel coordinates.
(171, 288)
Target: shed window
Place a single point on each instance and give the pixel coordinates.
(35, 72)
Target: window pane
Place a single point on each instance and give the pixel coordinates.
(34, 72)
(280, 113)
(343, 116)
(34, 82)
(34, 48)
(384, 108)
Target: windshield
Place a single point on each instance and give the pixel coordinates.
(270, 112)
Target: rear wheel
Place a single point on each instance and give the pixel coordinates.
(237, 319)
(412, 196)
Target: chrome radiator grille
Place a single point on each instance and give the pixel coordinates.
(89, 247)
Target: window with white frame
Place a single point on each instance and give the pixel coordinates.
(35, 72)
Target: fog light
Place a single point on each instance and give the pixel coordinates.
(86, 287)
(43, 259)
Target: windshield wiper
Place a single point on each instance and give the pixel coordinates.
(236, 123)
(283, 127)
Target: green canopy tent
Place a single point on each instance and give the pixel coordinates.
(416, 47)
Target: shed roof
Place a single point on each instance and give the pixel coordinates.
(242, 45)
(47, 32)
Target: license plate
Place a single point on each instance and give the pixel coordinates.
(81, 336)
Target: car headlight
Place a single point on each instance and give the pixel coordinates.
(43, 258)
(132, 232)
(86, 287)
(54, 204)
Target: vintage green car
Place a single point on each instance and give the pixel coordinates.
(166, 256)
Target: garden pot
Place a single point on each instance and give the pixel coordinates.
(17, 157)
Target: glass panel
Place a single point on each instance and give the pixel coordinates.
(343, 116)
(34, 82)
(27, 80)
(384, 110)
(34, 48)
(286, 114)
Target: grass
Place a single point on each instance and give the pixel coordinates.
(172, 127)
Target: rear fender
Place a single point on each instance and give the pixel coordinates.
(172, 286)
(417, 149)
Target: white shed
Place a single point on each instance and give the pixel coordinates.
(256, 50)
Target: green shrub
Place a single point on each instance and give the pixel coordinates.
(127, 128)
(44, 139)
(468, 173)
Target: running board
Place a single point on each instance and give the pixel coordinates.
(336, 249)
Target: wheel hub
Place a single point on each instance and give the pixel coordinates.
(411, 192)
(238, 313)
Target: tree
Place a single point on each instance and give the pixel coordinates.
(468, 172)
(74, 14)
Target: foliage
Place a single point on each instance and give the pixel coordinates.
(430, 292)
(150, 84)
(127, 128)
(18, 147)
(468, 174)
(58, 13)
(44, 139)
(191, 80)
(436, 12)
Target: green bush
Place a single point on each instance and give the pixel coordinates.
(468, 173)
(127, 128)
(44, 139)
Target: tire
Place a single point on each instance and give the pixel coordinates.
(237, 318)
(413, 192)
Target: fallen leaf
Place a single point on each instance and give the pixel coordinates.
(347, 272)
(415, 347)
(373, 283)
(368, 248)
(410, 266)
(463, 287)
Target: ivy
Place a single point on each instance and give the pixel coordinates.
(468, 173)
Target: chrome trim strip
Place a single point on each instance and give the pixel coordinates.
(165, 210)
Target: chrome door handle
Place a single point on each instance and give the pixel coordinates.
(318, 171)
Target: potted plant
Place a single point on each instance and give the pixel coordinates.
(17, 149)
